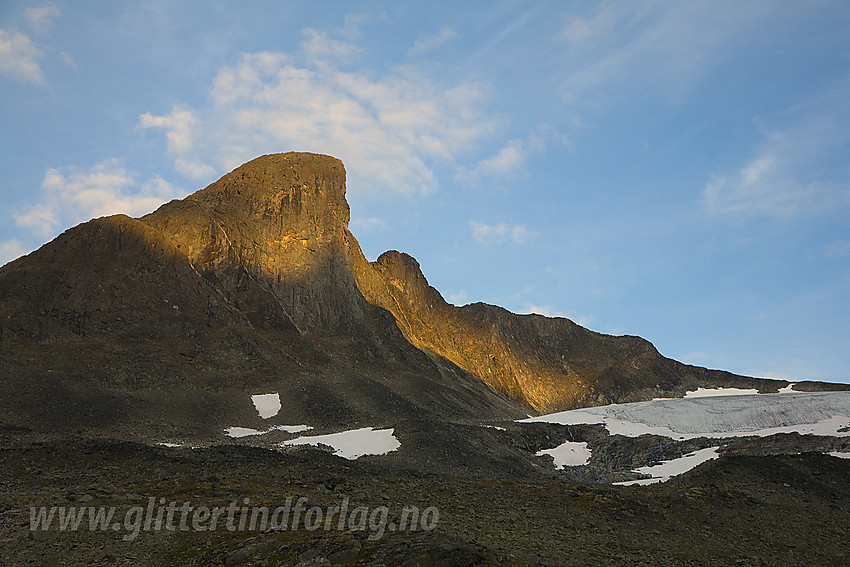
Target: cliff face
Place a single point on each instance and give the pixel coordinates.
(256, 283)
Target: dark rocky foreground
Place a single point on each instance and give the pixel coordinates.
(737, 510)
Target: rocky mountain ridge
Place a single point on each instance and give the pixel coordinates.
(256, 284)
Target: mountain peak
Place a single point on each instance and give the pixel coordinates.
(290, 183)
(278, 194)
(256, 280)
(280, 220)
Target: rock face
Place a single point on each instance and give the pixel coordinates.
(254, 284)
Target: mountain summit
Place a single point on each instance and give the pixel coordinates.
(255, 284)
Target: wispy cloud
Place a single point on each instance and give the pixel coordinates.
(512, 157)
(550, 311)
(698, 358)
(798, 169)
(40, 18)
(838, 249)
(70, 196)
(498, 233)
(11, 250)
(578, 30)
(546, 310)
(19, 58)
(391, 131)
(317, 45)
(773, 375)
(429, 42)
(656, 46)
(507, 160)
(372, 223)
(458, 299)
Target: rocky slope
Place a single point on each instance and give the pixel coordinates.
(165, 324)
(756, 511)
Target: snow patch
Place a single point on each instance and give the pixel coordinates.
(170, 444)
(839, 454)
(237, 432)
(665, 470)
(354, 443)
(711, 392)
(267, 404)
(789, 389)
(242, 432)
(571, 417)
(568, 454)
(291, 428)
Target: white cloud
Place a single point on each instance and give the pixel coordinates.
(390, 131)
(70, 196)
(838, 248)
(40, 18)
(497, 233)
(318, 46)
(550, 311)
(19, 58)
(11, 250)
(373, 223)
(577, 30)
(42, 220)
(545, 310)
(429, 42)
(698, 358)
(458, 299)
(506, 161)
(180, 127)
(510, 159)
(69, 61)
(773, 375)
(353, 22)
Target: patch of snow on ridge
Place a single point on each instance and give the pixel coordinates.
(839, 454)
(568, 454)
(170, 444)
(237, 432)
(354, 443)
(267, 404)
(789, 389)
(818, 413)
(290, 428)
(663, 471)
(709, 392)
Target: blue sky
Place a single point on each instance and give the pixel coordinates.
(674, 170)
